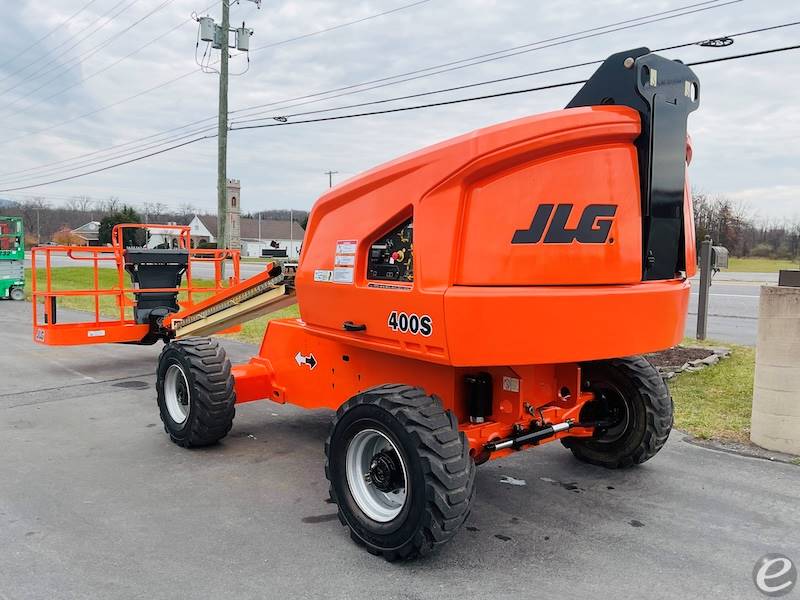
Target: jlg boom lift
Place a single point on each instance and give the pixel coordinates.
(470, 300)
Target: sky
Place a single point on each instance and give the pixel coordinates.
(116, 59)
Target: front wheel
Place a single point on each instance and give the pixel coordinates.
(633, 409)
(17, 294)
(195, 392)
(399, 471)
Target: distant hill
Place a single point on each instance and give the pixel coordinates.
(7, 203)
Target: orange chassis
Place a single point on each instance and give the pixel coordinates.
(527, 398)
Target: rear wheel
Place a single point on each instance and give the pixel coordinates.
(633, 409)
(17, 294)
(195, 392)
(399, 470)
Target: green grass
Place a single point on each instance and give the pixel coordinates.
(255, 259)
(716, 402)
(759, 265)
(75, 278)
(81, 278)
(253, 331)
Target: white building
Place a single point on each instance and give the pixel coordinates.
(90, 232)
(267, 238)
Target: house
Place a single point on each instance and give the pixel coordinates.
(163, 238)
(89, 232)
(267, 238)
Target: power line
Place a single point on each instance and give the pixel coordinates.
(385, 111)
(167, 141)
(129, 152)
(339, 26)
(79, 61)
(732, 35)
(54, 65)
(116, 62)
(501, 54)
(48, 34)
(497, 95)
(539, 88)
(745, 55)
(511, 77)
(104, 150)
(119, 164)
(43, 171)
(187, 74)
(77, 40)
(617, 26)
(713, 3)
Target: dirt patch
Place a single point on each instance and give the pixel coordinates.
(677, 356)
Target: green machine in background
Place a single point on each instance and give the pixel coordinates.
(12, 258)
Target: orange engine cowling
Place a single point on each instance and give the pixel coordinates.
(556, 238)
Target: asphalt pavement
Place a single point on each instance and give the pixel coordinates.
(95, 502)
(732, 306)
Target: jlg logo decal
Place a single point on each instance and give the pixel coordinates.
(593, 227)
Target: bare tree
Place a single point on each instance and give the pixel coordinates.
(72, 203)
(110, 205)
(152, 211)
(79, 203)
(31, 214)
(39, 202)
(186, 209)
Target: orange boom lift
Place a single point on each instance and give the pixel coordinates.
(470, 300)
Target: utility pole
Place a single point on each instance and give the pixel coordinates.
(291, 233)
(330, 175)
(219, 37)
(223, 236)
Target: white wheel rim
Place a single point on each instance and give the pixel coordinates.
(378, 505)
(176, 394)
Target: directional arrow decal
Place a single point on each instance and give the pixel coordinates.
(305, 360)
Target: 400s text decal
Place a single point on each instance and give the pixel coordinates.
(410, 323)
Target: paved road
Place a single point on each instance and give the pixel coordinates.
(95, 502)
(733, 307)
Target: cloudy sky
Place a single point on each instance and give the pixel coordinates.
(123, 70)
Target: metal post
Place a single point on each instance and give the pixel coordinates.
(291, 232)
(330, 175)
(223, 236)
(705, 284)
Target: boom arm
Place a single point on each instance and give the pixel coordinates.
(664, 92)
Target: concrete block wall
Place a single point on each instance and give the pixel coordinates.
(776, 390)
